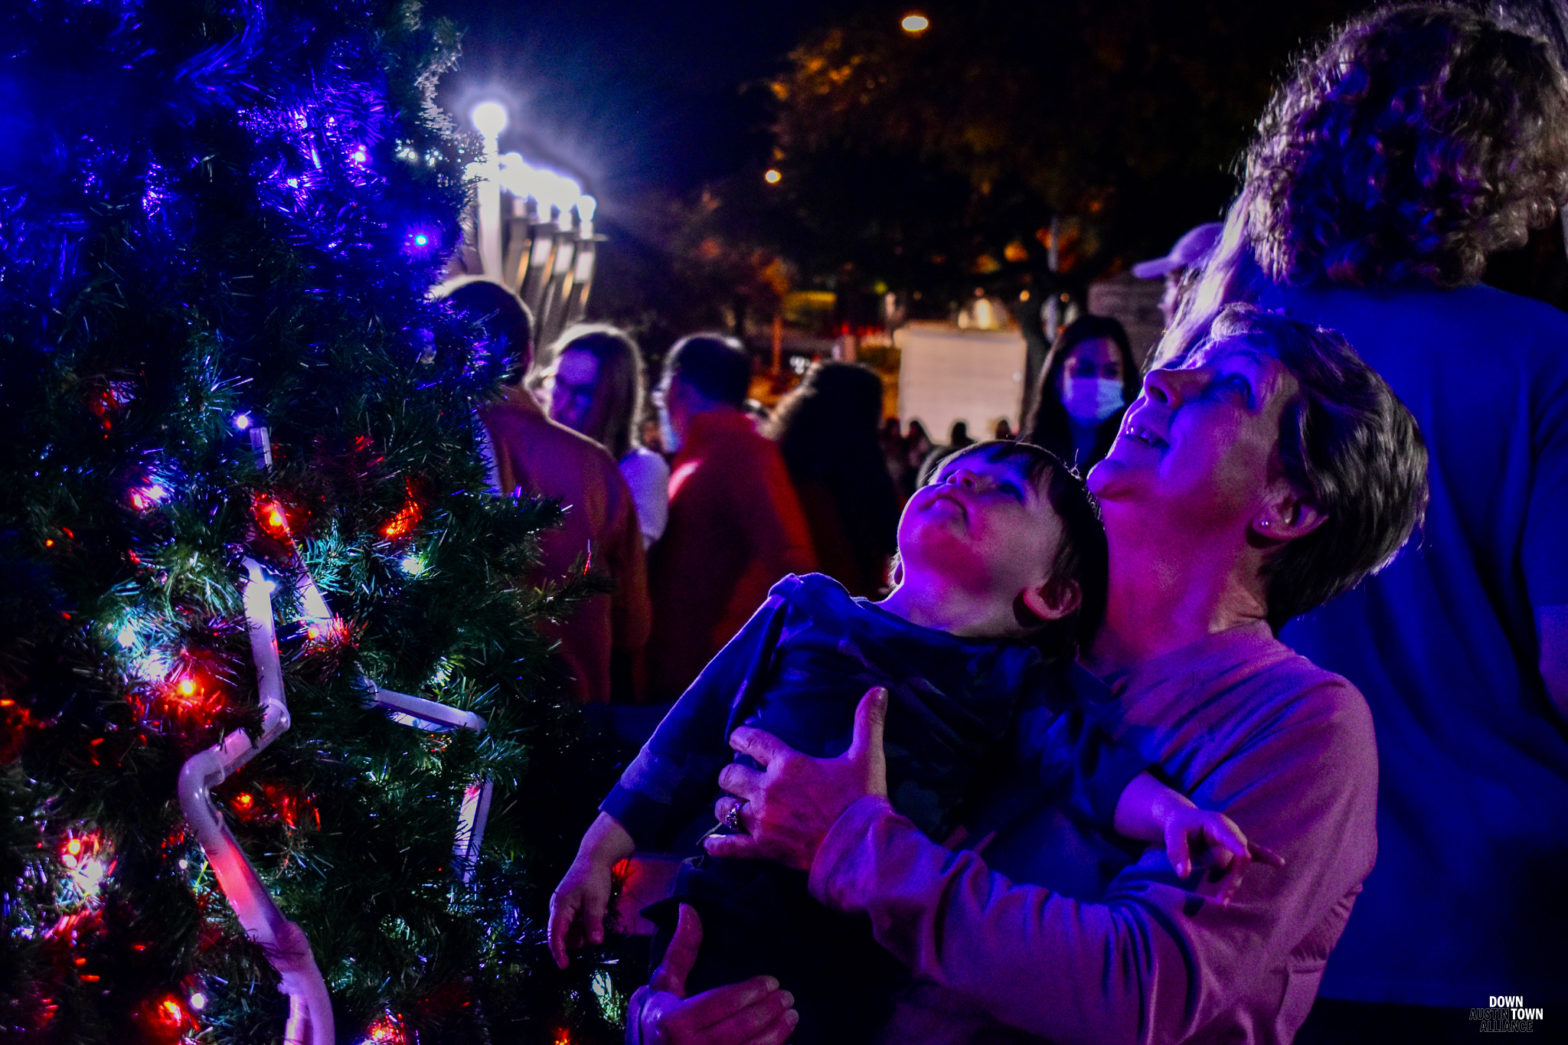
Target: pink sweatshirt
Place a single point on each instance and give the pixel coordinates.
(1103, 945)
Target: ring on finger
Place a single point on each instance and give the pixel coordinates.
(732, 816)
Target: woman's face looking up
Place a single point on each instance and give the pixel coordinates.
(1202, 441)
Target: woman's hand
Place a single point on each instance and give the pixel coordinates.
(786, 809)
(755, 1012)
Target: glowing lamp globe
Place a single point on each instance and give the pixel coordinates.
(489, 118)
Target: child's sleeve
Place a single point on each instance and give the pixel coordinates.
(674, 778)
(1072, 754)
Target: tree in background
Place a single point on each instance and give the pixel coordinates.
(216, 216)
(938, 161)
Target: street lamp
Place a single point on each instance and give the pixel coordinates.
(915, 23)
(489, 119)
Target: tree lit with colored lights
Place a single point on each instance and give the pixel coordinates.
(220, 374)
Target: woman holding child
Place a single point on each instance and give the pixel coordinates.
(1270, 472)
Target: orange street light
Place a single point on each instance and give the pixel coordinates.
(915, 23)
(772, 176)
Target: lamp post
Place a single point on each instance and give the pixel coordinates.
(489, 119)
(542, 244)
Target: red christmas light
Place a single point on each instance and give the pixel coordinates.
(272, 519)
(166, 1019)
(14, 720)
(276, 803)
(191, 696)
(327, 632)
(408, 517)
(388, 1030)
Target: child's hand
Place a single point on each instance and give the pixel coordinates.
(578, 906)
(1214, 841)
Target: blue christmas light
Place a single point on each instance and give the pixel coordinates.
(241, 421)
(421, 241)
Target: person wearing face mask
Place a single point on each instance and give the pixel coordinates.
(1087, 381)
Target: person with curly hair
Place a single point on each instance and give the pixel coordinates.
(1422, 139)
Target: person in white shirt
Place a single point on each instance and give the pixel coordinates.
(595, 388)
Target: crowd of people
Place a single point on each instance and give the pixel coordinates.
(995, 753)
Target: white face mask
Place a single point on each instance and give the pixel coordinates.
(1090, 400)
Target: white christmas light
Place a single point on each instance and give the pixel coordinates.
(154, 667)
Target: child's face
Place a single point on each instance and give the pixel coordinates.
(981, 527)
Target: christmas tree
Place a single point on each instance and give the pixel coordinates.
(240, 471)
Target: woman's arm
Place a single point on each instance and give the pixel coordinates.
(1154, 959)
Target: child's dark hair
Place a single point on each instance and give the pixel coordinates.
(1082, 556)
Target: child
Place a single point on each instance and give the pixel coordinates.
(1002, 564)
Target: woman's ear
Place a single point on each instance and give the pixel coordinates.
(1053, 599)
(1287, 516)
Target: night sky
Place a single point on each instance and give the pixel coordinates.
(629, 97)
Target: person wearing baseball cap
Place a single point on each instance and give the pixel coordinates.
(1194, 245)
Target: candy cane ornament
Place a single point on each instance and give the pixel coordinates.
(284, 942)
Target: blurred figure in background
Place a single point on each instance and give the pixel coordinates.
(735, 525)
(595, 388)
(1088, 379)
(918, 448)
(602, 641)
(894, 456)
(758, 412)
(827, 431)
(1180, 268)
